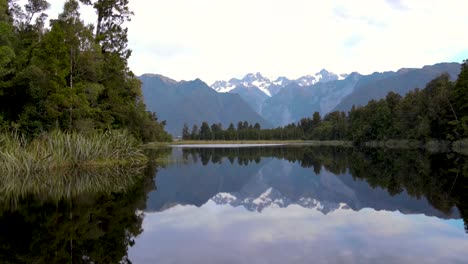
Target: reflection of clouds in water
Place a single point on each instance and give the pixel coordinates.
(224, 234)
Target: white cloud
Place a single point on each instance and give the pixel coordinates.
(219, 39)
(224, 234)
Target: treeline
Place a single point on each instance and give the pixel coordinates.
(243, 131)
(439, 111)
(70, 75)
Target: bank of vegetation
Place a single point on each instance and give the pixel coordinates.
(435, 115)
(66, 92)
(59, 150)
(70, 76)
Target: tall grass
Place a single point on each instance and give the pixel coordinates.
(55, 150)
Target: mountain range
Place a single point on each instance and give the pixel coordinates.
(285, 101)
(277, 102)
(193, 102)
(271, 88)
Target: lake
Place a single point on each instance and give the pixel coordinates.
(256, 204)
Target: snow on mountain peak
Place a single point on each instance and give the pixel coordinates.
(223, 86)
(273, 198)
(281, 81)
(321, 76)
(269, 87)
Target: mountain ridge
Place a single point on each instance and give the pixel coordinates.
(283, 101)
(193, 102)
(272, 87)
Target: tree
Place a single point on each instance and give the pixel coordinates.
(185, 132)
(195, 133)
(461, 102)
(316, 119)
(205, 132)
(217, 131)
(110, 32)
(240, 125)
(231, 133)
(67, 77)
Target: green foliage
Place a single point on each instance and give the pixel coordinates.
(205, 131)
(67, 76)
(460, 121)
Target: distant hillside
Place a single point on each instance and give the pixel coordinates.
(251, 95)
(294, 101)
(400, 82)
(193, 102)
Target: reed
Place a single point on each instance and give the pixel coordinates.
(56, 150)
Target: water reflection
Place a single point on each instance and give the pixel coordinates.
(247, 205)
(90, 225)
(302, 205)
(225, 234)
(407, 181)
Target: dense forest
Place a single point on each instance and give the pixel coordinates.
(439, 111)
(70, 76)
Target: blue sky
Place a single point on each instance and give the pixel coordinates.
(220, 39)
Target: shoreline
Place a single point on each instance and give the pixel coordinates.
(459, 146)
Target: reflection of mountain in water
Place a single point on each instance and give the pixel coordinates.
(273, 198)
(276, 183)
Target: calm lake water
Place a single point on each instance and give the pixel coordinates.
(257, 205)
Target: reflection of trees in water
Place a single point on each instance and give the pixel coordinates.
(88, 228)
(440, 177)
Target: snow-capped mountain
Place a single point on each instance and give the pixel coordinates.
(273, 198)
(250, 80)
(261, 93)
(223, 86)
(320, 77)
(270, 87)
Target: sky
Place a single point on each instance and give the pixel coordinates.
(221, 39)
(224, 234)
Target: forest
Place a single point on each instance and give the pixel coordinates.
(437, 112)
(62, 74)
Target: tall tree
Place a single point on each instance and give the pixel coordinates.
(205, 131)
(461, 102)
(110, 31)
(185, 132)
(195, 133)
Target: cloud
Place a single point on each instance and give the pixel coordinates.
(224, 234)
(397, 4)
(220, 39)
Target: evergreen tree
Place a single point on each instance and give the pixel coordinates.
(185, 132)
(195, 134)
(461, 102)
(205, 132)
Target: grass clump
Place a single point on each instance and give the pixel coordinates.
(57, 149)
